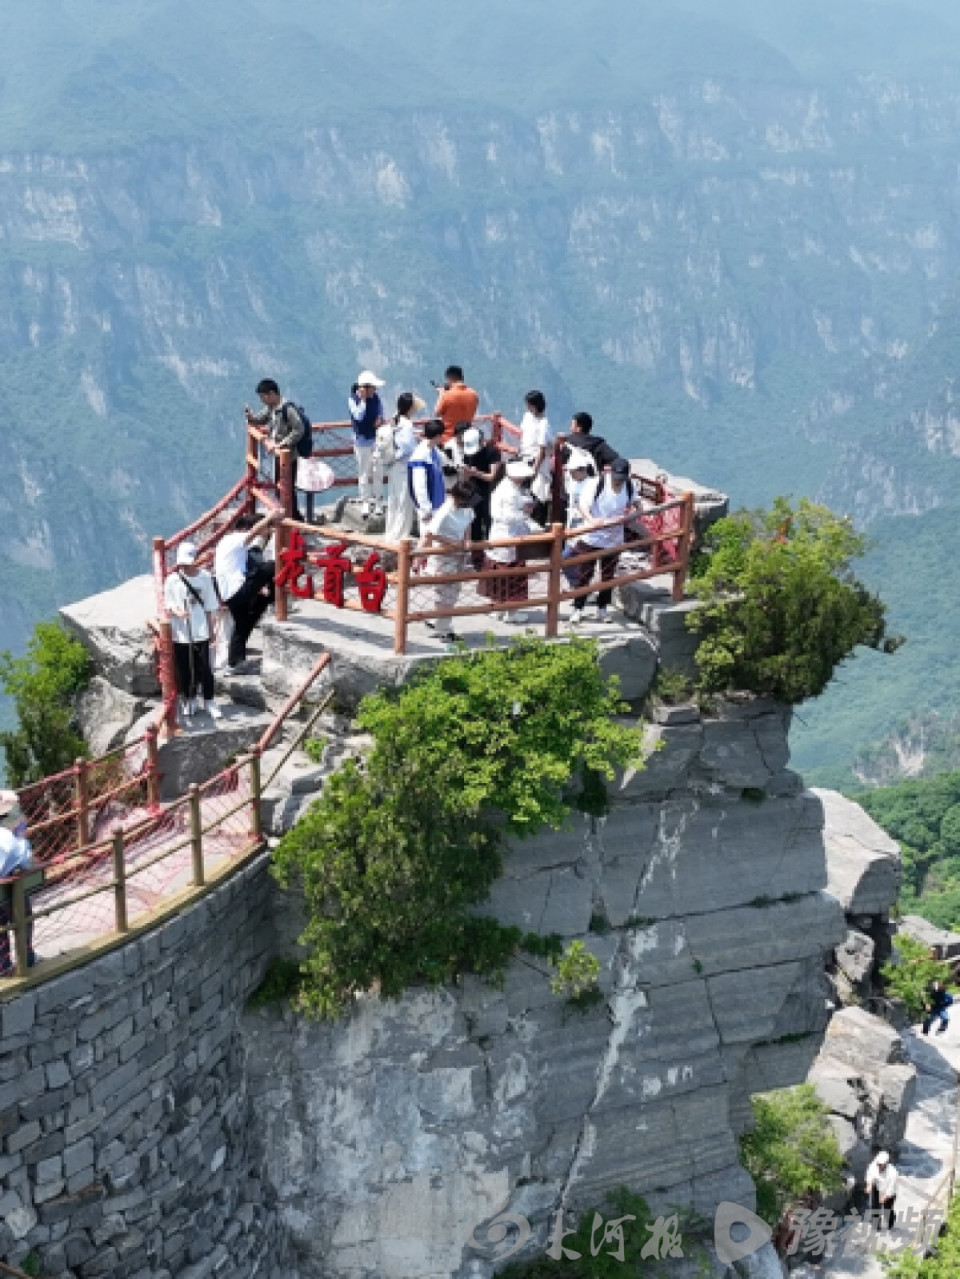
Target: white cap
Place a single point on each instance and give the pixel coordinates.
(579, 460)
(472, 441)
(520, 470)
(187, 553)
(367, 378)
(883, 1157)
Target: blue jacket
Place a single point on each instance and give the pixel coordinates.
(426, 463)
(365, 415)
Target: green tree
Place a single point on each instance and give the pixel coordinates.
(43, 685)
(781, 607)
(910, 975)
(791, 1151)
(399, 847)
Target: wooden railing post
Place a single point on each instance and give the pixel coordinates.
(555, 582)
(159, 574)
(196, 836)
(403, 595)
(153, 768)
(256, 829)
(683, 548)
(286, 482)
(280, 591)
(21, 939)
(168, 680)
(81, 801)
(119, 882)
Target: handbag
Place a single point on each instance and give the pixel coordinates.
(220, 649)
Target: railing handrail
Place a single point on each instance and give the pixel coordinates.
(292, 702)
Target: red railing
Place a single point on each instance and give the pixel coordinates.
(79, 895)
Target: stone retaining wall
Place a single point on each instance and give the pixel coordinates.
(124, 1111)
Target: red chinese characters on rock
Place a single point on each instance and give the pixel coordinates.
(293, 572)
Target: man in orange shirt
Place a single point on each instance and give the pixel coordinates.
(456, 403)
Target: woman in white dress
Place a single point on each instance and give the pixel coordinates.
(396, 440)
(510, 508)
(536, 440)
(450, 529)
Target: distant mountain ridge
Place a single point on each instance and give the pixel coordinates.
(698, 227)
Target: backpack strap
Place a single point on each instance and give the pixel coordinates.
(192, 589)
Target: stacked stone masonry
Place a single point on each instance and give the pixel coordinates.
(125, 1116)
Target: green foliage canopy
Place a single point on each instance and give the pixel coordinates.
(781, 606)
(791, 1150)
(43, 684)
(400, 846)
(911, 976)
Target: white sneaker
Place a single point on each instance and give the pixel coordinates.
(576, 617)
(186, 704)
(215, 711)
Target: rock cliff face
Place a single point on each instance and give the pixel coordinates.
(387, 1138)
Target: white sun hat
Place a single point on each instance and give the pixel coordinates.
(367, 378)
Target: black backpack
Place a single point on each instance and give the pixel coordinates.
(305, 442)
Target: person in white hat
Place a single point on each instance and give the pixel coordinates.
(880, 1184)
(366, 413)
(510, 509)
(192, 604)
(15, 855)
(396, 442)
(579, 469)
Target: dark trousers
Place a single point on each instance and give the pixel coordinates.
(247, 607)
(889, 1209)
(7, 951)
(193, 671)
(480, 530)
(294, 462)
(584, 572)
(937, 1014)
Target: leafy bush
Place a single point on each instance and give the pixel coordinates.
(577, 971)
(781, 607)
(43, 685)
(791, 1151)
(911, 978)
(401, 844)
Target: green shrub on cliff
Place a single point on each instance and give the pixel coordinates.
(400, 846)
(791, 1151)
(912, 974)
(43, 685)
(781, 607)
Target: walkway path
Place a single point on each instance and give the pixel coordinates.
(926, 1153)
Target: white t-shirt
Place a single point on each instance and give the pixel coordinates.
(604, 507)
(15, 853)
(230, 564)
(451, 522)
(177, 596)
(885, 1179)
(535, 433)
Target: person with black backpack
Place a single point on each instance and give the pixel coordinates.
(608, 498)
(288, 427)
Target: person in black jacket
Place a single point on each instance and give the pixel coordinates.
(936, 1007)
(582, 437)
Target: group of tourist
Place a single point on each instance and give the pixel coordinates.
(446, 479)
